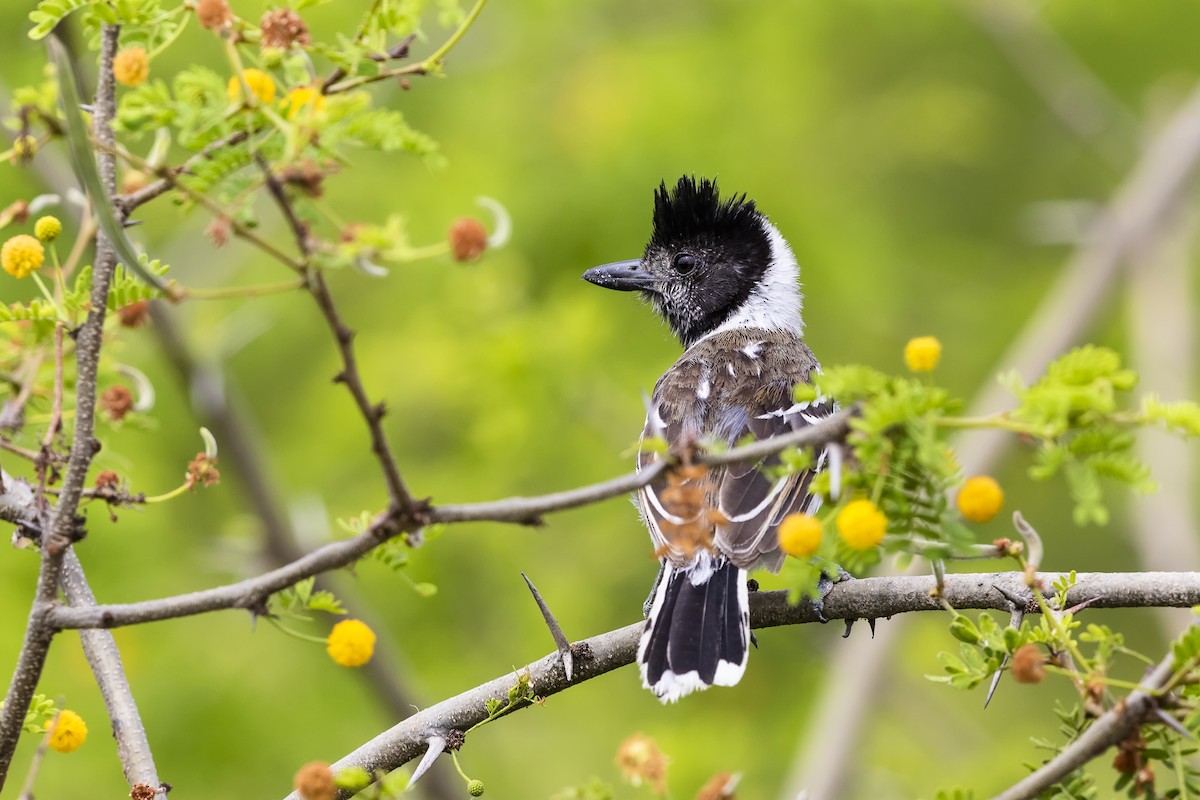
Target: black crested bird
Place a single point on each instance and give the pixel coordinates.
(727, 283)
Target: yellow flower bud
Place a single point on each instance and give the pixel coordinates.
(69, 732)
(922, 353)
(131, 66)
(800, 535)
(21, 255)
(351, 643)
(980, 498)
(861, 524)
(300, 97)
(47, 228)
(260, 83)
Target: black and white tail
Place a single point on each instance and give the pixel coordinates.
(698, 632)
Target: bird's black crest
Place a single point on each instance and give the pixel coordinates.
(693, 212)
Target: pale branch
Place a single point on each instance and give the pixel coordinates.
(868, 598)
(252, 593)
(133, 748)
(1109, 729)
(60, 528)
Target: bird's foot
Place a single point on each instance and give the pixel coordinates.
(831, 575)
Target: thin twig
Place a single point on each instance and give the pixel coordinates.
(1109, 729)
(867, 598)
(60, 529)
(128, 202)
(252, 593)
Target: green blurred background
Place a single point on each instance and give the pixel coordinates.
(897, 147)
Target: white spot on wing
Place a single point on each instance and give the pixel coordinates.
(703, 389)
(751, 350)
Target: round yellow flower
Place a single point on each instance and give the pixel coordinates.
(131, 66)
(351, 643)
(260, 84)
(47, 228)
(69, 732)
(922, 353)
(980, 498)
(861, 524)
(24, 147)
(800, 535)
(300, 97)
(21, 255)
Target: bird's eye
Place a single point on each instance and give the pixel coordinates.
(685, 263)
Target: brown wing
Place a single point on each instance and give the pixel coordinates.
(727, 394)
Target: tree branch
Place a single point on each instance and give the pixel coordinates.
(1109, 729)
(868, 598)
(60, 529)
(253, 592)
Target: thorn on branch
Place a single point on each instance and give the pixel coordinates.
(437, 746)
(556, 632)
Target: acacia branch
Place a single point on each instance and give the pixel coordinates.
(1110, 728)
(868, 598)
(61, 527)
(252, 593)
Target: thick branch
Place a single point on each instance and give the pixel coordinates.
(1108, 730)
(861, 599)
(59, 532)
(253, 592)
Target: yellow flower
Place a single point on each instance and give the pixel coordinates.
(300, 97)
(861, 524)
(24, 147)
(131, 66)
(260, 84)
(21, 255)
(351, 643)
(922, 353)
(47, 228)
(800, 535)
(69, 732)
(980, 498)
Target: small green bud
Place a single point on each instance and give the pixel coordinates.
(475, 788)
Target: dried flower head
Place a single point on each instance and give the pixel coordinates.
(219, 230)
(131, 66)
(214, 14)
(314, 781)
(17, 211)
(721, 787)
(116, 402)
(134, 315)
(1028, 664)
(142, 791)
(306, 176)
(283, 28)
(202, 471)
(641, 762)
(107, 480)
(468, 239)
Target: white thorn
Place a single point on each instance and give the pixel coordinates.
(501, 221)
(436, 745)
(144, 388)
(42, 202)
(835, 470)
(369, 267)
(210, 443)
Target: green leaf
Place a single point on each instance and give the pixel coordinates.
(48, 13)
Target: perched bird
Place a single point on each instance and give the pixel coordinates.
(727, 284)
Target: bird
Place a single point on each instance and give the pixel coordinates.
(727, 284)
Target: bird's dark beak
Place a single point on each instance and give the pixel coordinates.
(623, 276)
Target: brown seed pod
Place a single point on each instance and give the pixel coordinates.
(282, 28)
(468, 239)
(214, 14)
(1028, 664)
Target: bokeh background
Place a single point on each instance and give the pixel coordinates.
(906, 150)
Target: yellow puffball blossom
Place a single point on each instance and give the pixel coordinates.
(300, 97)
(861, 524)
(260, 84)
(131, 66)
(800, 535)
(351, 643)
(922, 353)
(21, 255)
(70, 731)
(980, 498)
(47, 228)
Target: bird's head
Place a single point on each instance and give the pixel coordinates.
(707, 261)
